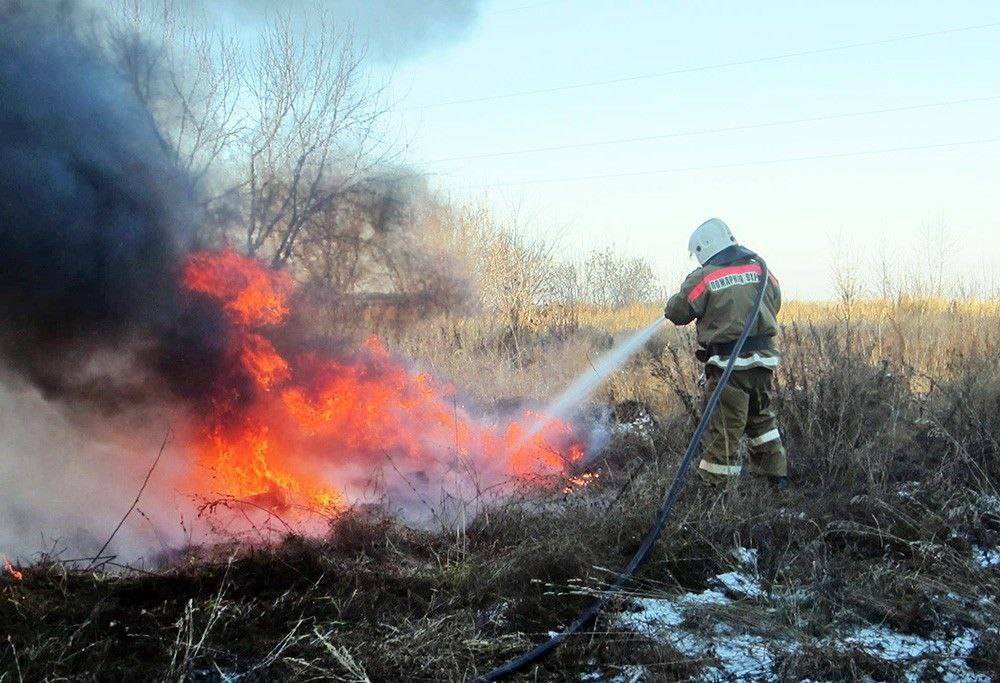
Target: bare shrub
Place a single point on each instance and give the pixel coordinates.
(877, 532)
(613, 280)
(516, 276)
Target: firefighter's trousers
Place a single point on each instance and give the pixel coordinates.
(745, 409)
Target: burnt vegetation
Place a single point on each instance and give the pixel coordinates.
(890, 408)
(893, 495)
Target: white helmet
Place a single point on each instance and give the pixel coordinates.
(709, 238)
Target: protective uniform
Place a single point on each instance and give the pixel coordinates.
(719, 295)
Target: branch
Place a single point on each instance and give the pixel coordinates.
(100, 553)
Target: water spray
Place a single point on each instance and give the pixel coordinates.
(564, 405)
(590, 612)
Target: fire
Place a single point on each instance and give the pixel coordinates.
(580, 481)
(12, 571)
(250, 292)
(309, 417)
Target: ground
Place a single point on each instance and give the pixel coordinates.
(881, 562)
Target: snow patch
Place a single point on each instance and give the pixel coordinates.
(907, 490)
(653, 614)
(708, 597)
(990, 503)
(986, 557)
(886, 644)
(643, 425)
(628, 673)
(740, 584)
(631, 673)
(744, 656)
(746, 557)
(940, 655)
(738, 655)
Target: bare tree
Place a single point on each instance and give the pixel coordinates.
(844, 265)
(935, 250)
(281, 126)
(377, 255)
(615, 281)
(515, 275)
(314, 132)
(568, 284)
(190, 77)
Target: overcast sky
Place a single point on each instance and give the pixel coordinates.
(794, 212)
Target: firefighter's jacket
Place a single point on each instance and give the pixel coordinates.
(720, 296)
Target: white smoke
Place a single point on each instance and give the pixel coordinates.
(393, 30)
(63, 489)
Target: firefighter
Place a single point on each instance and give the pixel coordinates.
(719, 295)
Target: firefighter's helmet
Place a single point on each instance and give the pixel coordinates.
(709, 238)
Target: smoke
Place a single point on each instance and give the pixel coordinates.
(63, 489)
(94, 216)
(392, 30)
(98, 223)
(95, 219)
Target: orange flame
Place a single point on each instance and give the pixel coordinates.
(12, 571)
(580, 481)
(309, 416)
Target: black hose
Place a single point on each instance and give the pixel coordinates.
(642, 554)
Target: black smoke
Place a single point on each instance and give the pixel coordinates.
(95, 219)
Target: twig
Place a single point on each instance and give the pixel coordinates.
(163, 446)
(266, 510)
(420, 497)
(627, 485)
(86, 559)
(107, 560)
(17, 662)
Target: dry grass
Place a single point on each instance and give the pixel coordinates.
(930, 338)
(895, 449)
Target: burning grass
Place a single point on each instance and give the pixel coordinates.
(282, 423)
(867, 567)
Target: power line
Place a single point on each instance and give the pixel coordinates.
(708, 67)
(743, 164)
(707, 131)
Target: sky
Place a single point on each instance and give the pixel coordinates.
(858, 205)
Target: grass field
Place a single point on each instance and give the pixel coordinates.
(881, 562)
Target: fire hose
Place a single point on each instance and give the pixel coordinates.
(641, 555)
